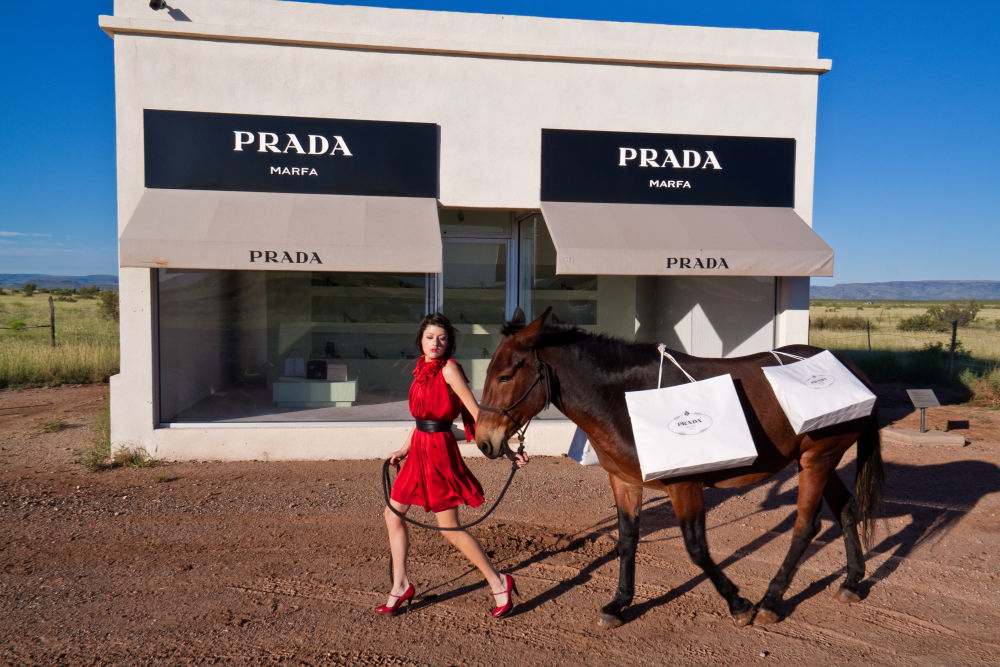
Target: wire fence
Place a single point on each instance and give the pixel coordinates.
(973, 347)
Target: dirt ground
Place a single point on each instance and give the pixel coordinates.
(284, 562)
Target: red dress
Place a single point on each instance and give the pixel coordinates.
(434, 475)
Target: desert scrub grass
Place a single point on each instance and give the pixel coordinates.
(52, 425)
(97, 455)
(86, 343)
(26, 363)
(132, 457)
(980, 339)
(846, 323)
(985, 386)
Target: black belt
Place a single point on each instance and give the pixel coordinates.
(431, 426)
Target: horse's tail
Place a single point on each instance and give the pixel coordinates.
(869, 481)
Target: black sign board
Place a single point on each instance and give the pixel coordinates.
(642, 168)
(216, 151)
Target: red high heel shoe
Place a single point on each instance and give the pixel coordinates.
(510, 588)
(391, 609)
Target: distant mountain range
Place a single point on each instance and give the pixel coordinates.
(17, 280)
(913, 290)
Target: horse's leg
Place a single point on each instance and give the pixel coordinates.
(812, 481)
(689, 506)
(841, 502)
(628, 499)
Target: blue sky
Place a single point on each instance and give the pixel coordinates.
(908, 130)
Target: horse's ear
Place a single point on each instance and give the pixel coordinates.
(514, 324)
(529, 336)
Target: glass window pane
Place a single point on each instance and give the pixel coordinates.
(474, 291)
(475, 281)
(286, 346)
(475, 223)
(573, 298)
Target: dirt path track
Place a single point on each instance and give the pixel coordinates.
(284, 562)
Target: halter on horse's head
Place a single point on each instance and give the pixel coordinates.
(519, 386)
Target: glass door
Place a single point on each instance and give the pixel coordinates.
(474, 281)
(479, 265)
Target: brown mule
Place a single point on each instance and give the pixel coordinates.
(586, 376)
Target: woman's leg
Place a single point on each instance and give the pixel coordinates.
(473, 550)
(399, 547)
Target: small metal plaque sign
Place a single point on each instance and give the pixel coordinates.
(923, 398)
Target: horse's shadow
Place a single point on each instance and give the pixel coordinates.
(934, 498)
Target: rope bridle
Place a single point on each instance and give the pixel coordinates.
(544, 372)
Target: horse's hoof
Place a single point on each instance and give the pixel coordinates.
(609, 621)
(743, 618)
(766, 616)
(847, 595)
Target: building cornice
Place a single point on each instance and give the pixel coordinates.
(450, 46)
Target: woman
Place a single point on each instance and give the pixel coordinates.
(434, 474)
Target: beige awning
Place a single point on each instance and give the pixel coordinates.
(203, 229)
(655, 239)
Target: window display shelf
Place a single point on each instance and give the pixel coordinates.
(486, 293)
(376, 328)
(367, 291)
(564, 295)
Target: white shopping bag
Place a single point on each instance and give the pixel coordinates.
(689, 428)
(581, 451)
(295, 366)
(818, 391)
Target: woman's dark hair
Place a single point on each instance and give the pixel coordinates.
(437, 320)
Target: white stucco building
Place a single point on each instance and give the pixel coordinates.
(299, 183)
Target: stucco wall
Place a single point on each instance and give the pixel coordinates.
(490, 82)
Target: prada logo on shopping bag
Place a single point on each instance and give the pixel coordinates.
(690, 423)
(819, 381)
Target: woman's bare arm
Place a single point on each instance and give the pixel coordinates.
(453, 376)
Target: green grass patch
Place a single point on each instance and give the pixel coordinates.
(917, 353)
(985, 386)
(52, 425)
(97, 455)
(86, 348)
(129, 457)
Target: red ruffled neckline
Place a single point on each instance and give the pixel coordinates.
(426, 370)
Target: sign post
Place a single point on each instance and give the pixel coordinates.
(923, 399)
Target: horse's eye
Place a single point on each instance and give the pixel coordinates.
(504, 378)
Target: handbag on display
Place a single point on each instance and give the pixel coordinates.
(336, 372)
(689, 428)
(295, 366)
(581, 451)
(818, 391)
(315, 369)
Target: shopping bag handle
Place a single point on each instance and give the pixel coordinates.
(663, 353)
(775, 354)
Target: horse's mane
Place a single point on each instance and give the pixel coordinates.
(612, 350)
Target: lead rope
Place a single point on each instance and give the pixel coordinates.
(387, 486)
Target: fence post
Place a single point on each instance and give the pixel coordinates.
(951, 352)
(52, 320)
(868, 326)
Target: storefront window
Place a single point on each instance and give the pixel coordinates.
(573, 298)
(286, 346)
